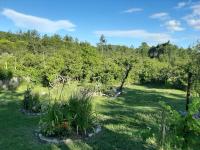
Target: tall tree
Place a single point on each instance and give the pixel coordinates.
(102, 43)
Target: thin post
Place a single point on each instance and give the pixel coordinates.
(189, 84)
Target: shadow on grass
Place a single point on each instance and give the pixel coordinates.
(109, 140)
(132, 118)
(127, 122)
(159, 86)
(16, 129)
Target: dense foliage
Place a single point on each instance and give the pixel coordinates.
(44, 58)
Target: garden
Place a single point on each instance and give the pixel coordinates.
(103, 97)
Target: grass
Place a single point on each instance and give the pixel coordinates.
(126, 120)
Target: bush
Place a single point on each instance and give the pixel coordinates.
(5, 75)
(154, 72)
(31, 101)
(178, 78)
(194, 116)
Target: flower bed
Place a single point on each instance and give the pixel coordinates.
(72, 118)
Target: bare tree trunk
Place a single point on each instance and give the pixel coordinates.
(128, 69)
(188, 90)
(186, 131)
(44, 63)
(163, 129)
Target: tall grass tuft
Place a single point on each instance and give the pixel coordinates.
(80, 105)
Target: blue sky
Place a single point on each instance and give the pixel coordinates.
(124, 22)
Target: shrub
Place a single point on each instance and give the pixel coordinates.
(5, 75)
(31, 101)
(194, 116)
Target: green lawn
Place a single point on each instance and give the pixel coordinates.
(126, 121)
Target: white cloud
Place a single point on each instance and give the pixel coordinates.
(161, 16)
(195, 23)
(181, 5)
(143, 35)
(193, 19)
(132, 10)
(196, 9)
(41, 24)
(174, 25)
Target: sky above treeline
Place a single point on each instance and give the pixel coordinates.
(124, 22)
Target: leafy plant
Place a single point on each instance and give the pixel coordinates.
(31, 101)
(57, 120)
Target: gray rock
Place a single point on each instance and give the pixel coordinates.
(183, 113)
(14, 83)
(5, 87)
(98, 129)
(49, 140)
(196, 116)
(53, 140)
(91, 134)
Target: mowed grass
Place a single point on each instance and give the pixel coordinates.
(126, 121)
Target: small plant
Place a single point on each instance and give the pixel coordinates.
(31, 101)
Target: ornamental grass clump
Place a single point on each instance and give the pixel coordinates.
(80, 105)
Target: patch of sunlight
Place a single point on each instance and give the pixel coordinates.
(121, 129)
(146, 108)
(104, 117)
(173, 96)
(78, 145)
(140, 87)
(144, 117)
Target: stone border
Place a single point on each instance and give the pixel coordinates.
(67, 140)
(53, 140)
(28, 113)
